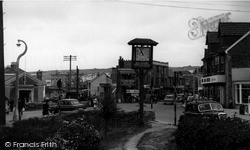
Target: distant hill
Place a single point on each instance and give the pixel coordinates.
(47, 74)
(184, 68)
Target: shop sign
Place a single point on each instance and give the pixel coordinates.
(213, 79)
(132, 91)
(127, 82)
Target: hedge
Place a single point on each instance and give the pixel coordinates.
(195, 133)
(81, 130)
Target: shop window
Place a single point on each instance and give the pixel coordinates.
(245, 92)
(216, 60)
(242, 92)
(237, 94)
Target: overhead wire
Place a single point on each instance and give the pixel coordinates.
(184, 7)
(206, 3)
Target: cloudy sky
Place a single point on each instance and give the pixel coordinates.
(97, 32)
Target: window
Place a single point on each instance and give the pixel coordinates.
(222, 59)
(242, 92)
(245, 92)
(216, 60)
(237, 94)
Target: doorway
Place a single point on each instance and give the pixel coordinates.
(25, 95)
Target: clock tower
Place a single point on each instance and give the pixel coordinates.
(142, 53)
(142, 62)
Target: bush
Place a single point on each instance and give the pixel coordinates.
(131, 118)
(195, 133)
(77, 135)
(30, 130)
(73, 133)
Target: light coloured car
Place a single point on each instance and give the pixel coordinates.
(169, 99)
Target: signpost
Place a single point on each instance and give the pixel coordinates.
(142, 62)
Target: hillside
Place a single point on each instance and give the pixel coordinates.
(47, 74)
(184, 68)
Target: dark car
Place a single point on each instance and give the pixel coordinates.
(204, 108)
(67, 105)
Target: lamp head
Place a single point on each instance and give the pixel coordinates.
(18, 44)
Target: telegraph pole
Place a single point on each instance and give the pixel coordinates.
(77, 80)
(2, 80)
(69, 58)
(176, 83)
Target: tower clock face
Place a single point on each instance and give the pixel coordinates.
(142, 53)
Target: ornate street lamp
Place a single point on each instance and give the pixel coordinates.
(17, 80)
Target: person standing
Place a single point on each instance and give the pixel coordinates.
(20, 108)
(46, 108)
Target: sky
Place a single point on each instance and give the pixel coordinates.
(97, 32)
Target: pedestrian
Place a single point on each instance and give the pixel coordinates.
(46, 108)
(20, 108)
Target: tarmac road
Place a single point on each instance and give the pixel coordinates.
(163, 113)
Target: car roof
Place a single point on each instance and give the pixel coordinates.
(202, 102)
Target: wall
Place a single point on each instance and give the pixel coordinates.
(240, 74)
(95, 87)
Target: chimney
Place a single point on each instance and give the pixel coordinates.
(13, 66)
(39, 75)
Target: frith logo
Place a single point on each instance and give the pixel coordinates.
(200, 26)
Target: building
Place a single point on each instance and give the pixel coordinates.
(94, 87)
(127, 82)
(31, 88)
(226, 64)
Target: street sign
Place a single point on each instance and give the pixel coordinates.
(133, 91)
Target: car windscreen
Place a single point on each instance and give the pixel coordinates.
(204, 107)
(169, 97)
(216, 106)
(74, 102)
(210, 106)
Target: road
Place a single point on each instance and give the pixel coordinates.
(163, 113)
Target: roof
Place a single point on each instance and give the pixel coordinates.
(100, 76)
(13, 78)
(238, 41)
(202, 102)
(142, 41)
(10, 70)
(212, 37)
(233, 28)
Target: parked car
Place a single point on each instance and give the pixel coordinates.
(67, 105)
(204, 108)
(180, 97)
(169, 100)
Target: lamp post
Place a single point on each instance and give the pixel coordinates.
(17, 80)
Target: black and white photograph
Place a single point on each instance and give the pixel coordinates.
(125, 75)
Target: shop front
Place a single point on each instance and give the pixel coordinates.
(214, 88)
(241, 87)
